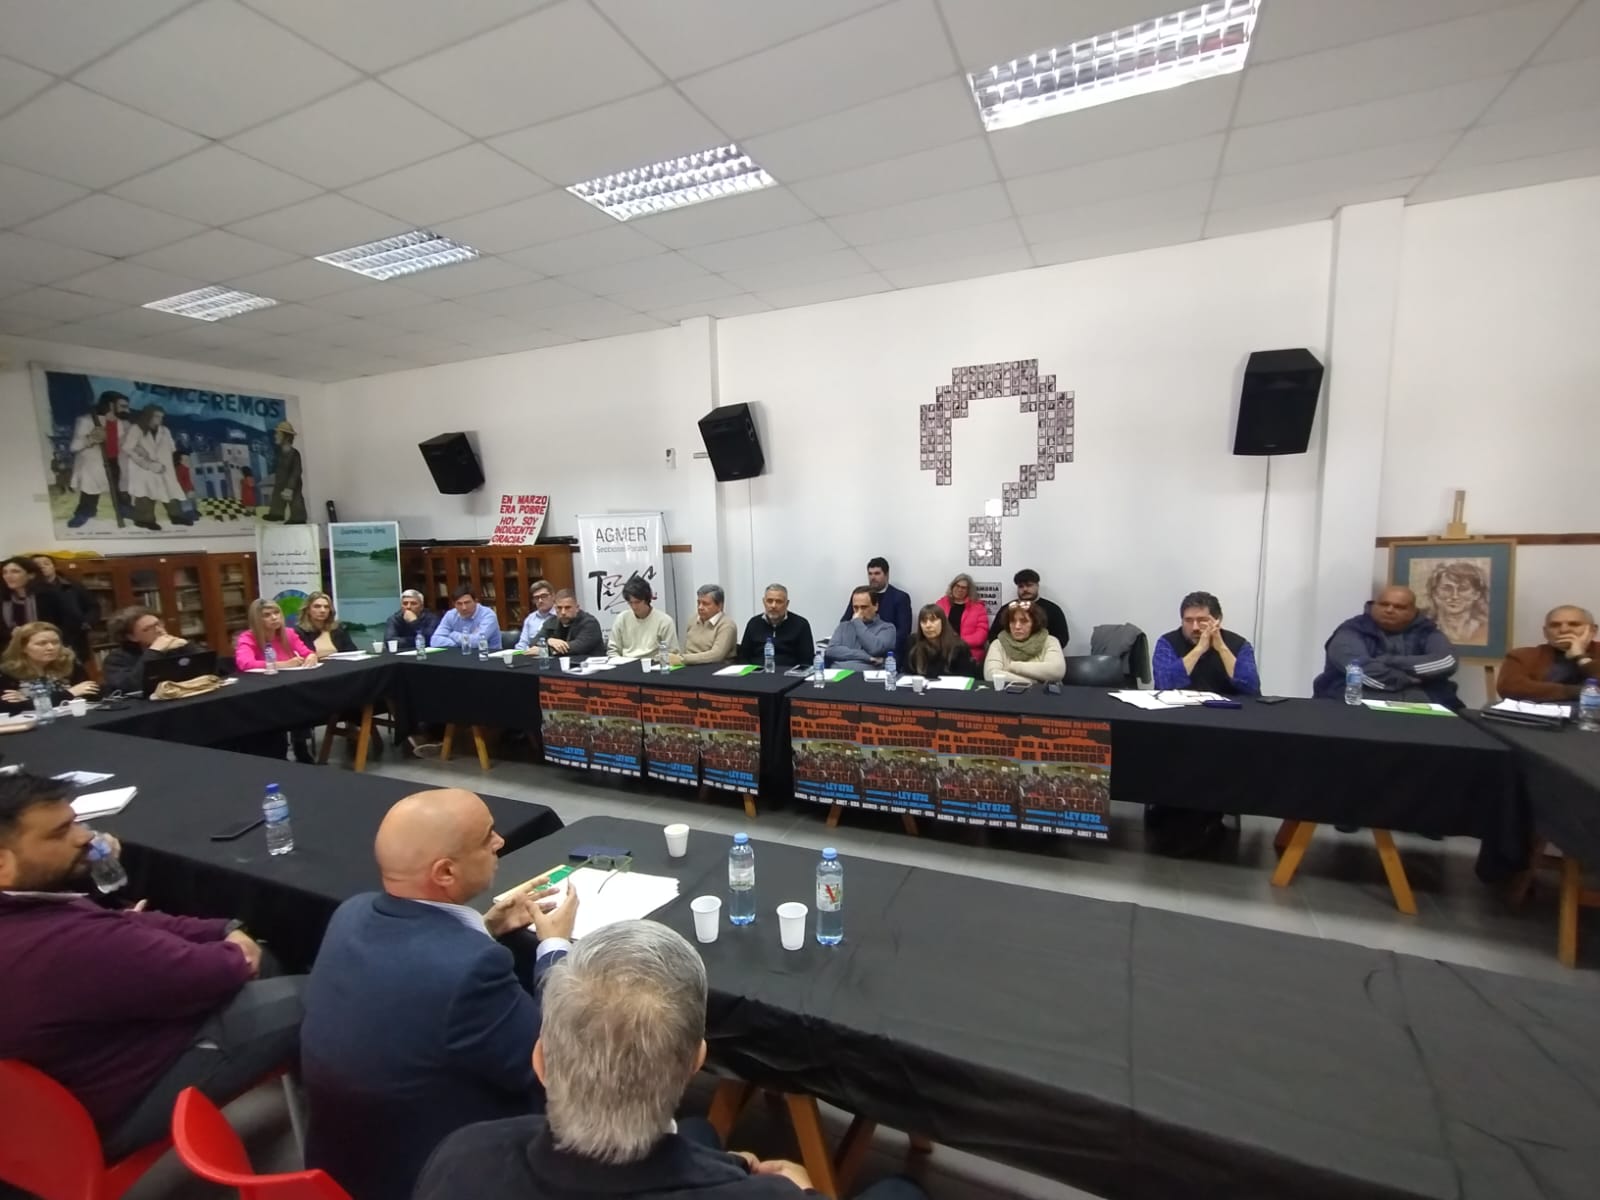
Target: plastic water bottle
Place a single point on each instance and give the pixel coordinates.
(1589, 707)
(483, 648)
(830, 898)
(275, 809)
(1352, 683)
(422, 648)
(662, 662)
(742, 881)
(104, 868)
(466, 645)
(541, 648)
(769, 657)
(270, 658)
(890, 676)
(44, 708)
(819, 669)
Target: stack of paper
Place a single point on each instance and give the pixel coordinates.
(1421, 707)
(742, 669)
(103, 804)
(1163, 701)
(83, 778)
(1529, 708)
(951, 683)
(606, 897)
(351, 656)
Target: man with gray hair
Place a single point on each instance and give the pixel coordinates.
(412, 619)
(792, 644)
(1555, 671)
(710, 638)
(623, 1033)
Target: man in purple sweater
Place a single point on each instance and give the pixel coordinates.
(124, 1009)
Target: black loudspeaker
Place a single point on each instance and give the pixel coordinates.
(731, 442)
(453, 464)
(1278, 403)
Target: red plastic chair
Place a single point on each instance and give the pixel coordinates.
(211, 1149)
(48, 1142)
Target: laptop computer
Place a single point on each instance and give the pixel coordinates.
(177, 668)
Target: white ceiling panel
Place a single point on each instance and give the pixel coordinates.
(669, 295)
(726, 308)
(720, 220)
(319, 226)
(883, 51)
(25, 195)
(1408, 160)
(543, 218)
(585, 250)
(1151, 208)
(635, 132)
(953, 210)
(593, 328)
(378, 34)
(469, 180)
(1555, 133)
(34, 261)
(356, 134)
(107, 143)
(15, 324)
(493, 330)
(1346, 130)
(687, 36)
(555, 61)
(815, 268)
(826, 291)
(11, 287)
(282, 318)
(363, 332)
(1133, 174)
(1090, 244)
(130, 283)
(797, 241)
(60, 38)
(1300, 209)
(213, 255)
(988, 33)
(467, 279)
(976, 267)
(997, 237)
(584, 315)
(1489, 44)
(369, 301)
(109, 226)
(303, 280)
(951, 168)
(134, 323)
(57, 305)
(1578, 38)
(216, 186)
(526, 298)
(659, 269)
(934, 114)
(1291, 27)
(1552, 88)
(19, 82)
(1522, 172)
(189, 70)
(87, 333)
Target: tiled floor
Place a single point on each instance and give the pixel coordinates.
(1340, 893)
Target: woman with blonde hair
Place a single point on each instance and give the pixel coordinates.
(267, 629)
(37, 655)
(321, 630)
(967, 615)
(1025, 648)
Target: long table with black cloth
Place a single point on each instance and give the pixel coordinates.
(1133, 1052)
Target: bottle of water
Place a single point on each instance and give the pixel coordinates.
(662, 662)
(104, 868)
(1589, 707)
(769, 657)
(44, 708)
(1352, 683)
(890, 676)
(275, 809)
(483, 648)
(819, 669)
(742, 881)
(830, 898)
(541, 649)
(422, 648)
(466, 645)
(269, 657)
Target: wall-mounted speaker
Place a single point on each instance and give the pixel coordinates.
(1278, 402)
(454, 466)
(731, 442)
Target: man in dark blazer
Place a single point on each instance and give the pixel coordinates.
(421, 1013)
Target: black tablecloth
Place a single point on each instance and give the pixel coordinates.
(1559, 772)
(1136, 1053)
(453, 688)
(186, 793)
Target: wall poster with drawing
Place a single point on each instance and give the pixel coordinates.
(1465, 586)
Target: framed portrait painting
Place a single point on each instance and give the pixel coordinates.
(1464, 586)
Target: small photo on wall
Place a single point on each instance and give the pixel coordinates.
(1465, 587)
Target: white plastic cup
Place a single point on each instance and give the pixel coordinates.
(677, 840)
(918, 683)
(377, 647)
(78, 706)
(1000, 680)
(707, 917)
(792, 924)
(394, 645)
(566, 662)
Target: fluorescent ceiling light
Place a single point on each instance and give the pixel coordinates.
(211, 304)
(704, 175)
(1164, 52)
(406, 254)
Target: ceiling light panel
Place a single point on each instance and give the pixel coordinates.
(675, 183)
(211, 303)
(405, 254)
(1200, 42)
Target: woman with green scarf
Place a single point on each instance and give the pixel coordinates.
(1025, 649)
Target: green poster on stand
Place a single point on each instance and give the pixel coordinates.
(365, 558)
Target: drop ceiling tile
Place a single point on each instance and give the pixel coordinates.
(816, 268)
(215, 254)
(1493, 177)
(34, 261)
(469, 278)
(356, 134)
(134, 322)
(369, 300)
(19, 82)
(922, 274)
(687, 36)
(797, 241)
(526, 298)
(303, 280)
(719, 220)
(493, 330)
(130, 283)
(10, 287)
(189, 70)
(216, 186)
(934, 114)
(544, 218)
(1301, 209)
(725, 308)
(321, 225)
(1489, 44)
(635, 132)
(637, 273)
(559, 60)
(1291, 27)
(601, 248)
(1535, 137)
(1130, 175)
(951, 168)
(81, 333)
(953, 210)
(825, 291)
(378, 34)
(107, 225)
(1407, 160)
(469, 180)
(1578, 38)
(994, 238)
(985, 34)
(1360, 126)
(666, 295)
(22, 325)
(439, 317)
(25, 195)
(365, 332)
(1116, 130)
(524, 340)
(1119, 241)
(60, 38)
(282, 318)
(596, 328)
(55, 305)
(1150, 208)
(878, 53)
(1554, 87)
(109, 141)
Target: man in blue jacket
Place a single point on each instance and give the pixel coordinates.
(1403, 655)
(420, 1011)
(894, 606)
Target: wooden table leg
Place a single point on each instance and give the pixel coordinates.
(1396, 872)
(909, 824)
(853, 1151)
(483, 747)
(920, 1144)
(1293, 853)
(448, 744)
(1571, 894)
(363, 739)
(834, 813)
(1280, 841)
(749, 804)
(814, 1156)
(727, 1103)
(327, 741)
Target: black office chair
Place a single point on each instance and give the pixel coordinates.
(1094, 670)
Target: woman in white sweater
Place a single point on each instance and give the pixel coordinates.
(1025, 648)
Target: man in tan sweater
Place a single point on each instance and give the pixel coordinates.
(1556, 670)
(712, 638)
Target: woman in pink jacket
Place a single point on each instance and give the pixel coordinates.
(966, 614)
(267, 628)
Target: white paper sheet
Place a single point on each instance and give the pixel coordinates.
(103, 804)
(83, 778)
(606, 897)
(351, 656)
(738, 670)
(951, 683)
(1530, 708)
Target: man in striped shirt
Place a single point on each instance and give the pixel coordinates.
(1403, 655)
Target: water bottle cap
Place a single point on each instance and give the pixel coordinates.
(271, 788)
(829, 853)
(98, 850)
(741, 839)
